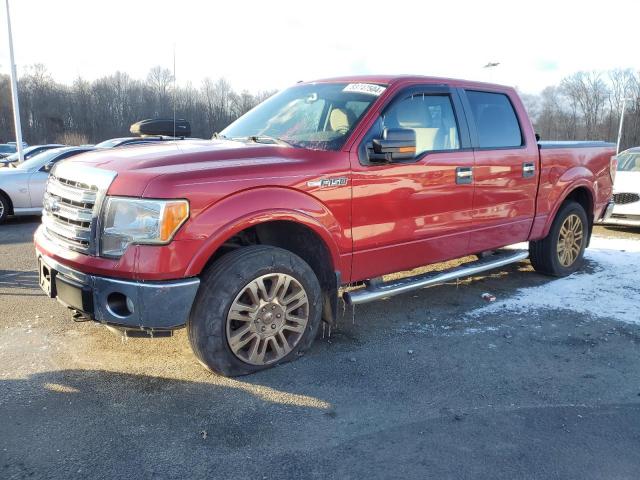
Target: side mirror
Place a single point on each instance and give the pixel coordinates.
(47, 168)
(395, 144)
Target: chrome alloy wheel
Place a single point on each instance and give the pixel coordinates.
(570, 240)
(267, 319)
(1, 209)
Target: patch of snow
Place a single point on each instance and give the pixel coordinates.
(610, 290)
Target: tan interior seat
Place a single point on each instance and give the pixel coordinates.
(339, 120)
(425, 136)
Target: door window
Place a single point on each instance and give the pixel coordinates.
(432, 119)
(496, 121)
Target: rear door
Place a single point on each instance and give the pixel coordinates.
(417, 211)
(505, 172)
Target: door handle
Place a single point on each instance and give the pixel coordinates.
(528, 169)
(464, 175)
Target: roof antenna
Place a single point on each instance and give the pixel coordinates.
(174, 90)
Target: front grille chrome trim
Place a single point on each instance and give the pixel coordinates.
(73, 204)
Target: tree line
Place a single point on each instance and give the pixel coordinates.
(583, 106)
(588, 106)
(92, 111)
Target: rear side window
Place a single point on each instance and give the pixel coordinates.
(496, 120)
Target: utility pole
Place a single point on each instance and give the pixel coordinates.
(14, 89)
(624, 106)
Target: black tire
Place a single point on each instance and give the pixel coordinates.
(544, 253)
(4, 208)
(222, 282)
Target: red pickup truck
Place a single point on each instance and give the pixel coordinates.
(246, 239)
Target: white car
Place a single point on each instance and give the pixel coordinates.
(626, 190)
(22, 187)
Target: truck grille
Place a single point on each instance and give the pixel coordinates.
(624, 198)
(72, 204)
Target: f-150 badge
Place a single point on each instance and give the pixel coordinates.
(328, 182)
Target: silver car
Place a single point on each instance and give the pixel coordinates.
(22, 187)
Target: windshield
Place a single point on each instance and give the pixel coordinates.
(7, 149)
(14, 157)
(316, 116)
(41, 159)
(629, 162)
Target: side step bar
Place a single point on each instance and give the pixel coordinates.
(377, 291)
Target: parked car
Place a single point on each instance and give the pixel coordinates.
(8, 148)
(28, 152)
(626, 190)
(247, 238)
(128, 141)
(22, 187)
(152, 130)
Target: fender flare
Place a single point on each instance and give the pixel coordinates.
(581, 182)
(235, 213)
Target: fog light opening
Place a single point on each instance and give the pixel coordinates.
(119, 304)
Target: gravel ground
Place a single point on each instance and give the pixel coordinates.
(426, 385)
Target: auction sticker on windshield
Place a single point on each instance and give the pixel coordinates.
(368, 88)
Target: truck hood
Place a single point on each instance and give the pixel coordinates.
(627, 182)
(137, 166)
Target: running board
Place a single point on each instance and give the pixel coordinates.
(377, 291)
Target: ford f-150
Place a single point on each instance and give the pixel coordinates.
(248, 238)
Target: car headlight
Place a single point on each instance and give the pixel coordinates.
(128, 221)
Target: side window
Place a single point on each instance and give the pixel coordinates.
(431, 117)
(496, 120)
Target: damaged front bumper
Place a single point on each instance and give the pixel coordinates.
(127, 304)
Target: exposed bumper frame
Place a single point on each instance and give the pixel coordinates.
(608, 211)
(161, 305)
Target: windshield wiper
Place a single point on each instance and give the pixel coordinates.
(267, 139)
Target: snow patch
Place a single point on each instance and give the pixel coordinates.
(611, 290)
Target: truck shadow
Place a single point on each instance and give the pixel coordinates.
(71, 414)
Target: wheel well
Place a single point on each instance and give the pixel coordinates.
(583, 197)
(2, 193)
(298, 239)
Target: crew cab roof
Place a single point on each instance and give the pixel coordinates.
(390, 80)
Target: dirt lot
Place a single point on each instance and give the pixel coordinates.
(543, 383)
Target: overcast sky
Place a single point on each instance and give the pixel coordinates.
(260, 45)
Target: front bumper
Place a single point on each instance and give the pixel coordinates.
(623, 220)
(161, 305)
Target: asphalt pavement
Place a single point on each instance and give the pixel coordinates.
(420, 386)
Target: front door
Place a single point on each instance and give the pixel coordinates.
(418, 211)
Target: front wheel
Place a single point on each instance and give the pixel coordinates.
(561, 252)
(257, 307)
(4, 208)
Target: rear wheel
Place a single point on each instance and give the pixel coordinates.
(561, 252)
(257, 307)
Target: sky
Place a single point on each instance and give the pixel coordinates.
(264, 45)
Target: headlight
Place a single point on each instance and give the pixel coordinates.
(129, 221)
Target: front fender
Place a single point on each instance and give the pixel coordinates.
(229, 216)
